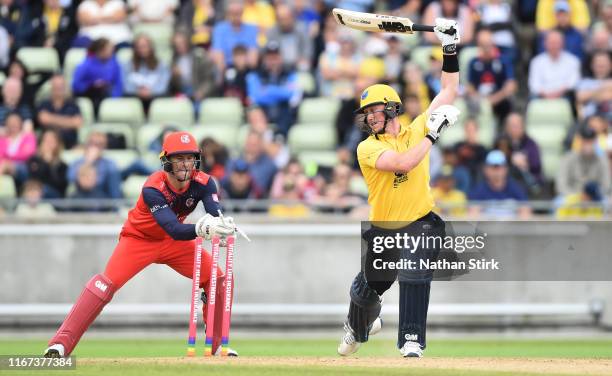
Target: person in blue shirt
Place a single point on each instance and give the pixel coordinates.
(230, 33)
(99, 75)
(574, 40)
(498, 186)
(274, 89)
(260, 166)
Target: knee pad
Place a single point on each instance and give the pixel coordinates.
(364, 308)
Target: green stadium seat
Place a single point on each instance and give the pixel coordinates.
(132, 186)
(452, 135)
(318, 157)
(550, 140)
(319, 110)
(87, 110)
(43, 93)
(307, 82)
(124, 56)
(226, 111)
(465, 56)
(549, 111)
(160, 33)
(2, 78)
(122, 110)
(311, 137)
(73, 58)
(39, 59)
(145, 135)
(221, 133)
(151, 160)
(7, 187)
(122, 158)
(550, 163)
(421, 56)
(175, 111)
(115, 128)
(70, 156)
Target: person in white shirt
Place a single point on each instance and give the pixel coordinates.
(103, 19)
(554, 73)
(147, 11)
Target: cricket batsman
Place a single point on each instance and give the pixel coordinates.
(154, 232)
(394, 161)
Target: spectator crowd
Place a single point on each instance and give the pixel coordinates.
(272, 57)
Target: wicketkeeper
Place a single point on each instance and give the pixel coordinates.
(155, 233)
(394, 161)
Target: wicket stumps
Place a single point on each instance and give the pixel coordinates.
(212, 297)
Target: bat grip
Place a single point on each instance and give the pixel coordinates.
(416, 27)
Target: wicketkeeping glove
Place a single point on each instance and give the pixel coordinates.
(440, 119)
(209, 226)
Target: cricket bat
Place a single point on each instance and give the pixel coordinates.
(379, 22)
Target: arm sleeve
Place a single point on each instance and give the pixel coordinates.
(165, 217)
(117, 90)
(79, 82)
(210, 198)
(368, 152)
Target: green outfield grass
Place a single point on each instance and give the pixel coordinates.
(378, 350)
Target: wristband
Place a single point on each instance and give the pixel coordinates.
(450, 63)
(431, 138)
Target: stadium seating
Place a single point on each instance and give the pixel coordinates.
(122, 158)
(550, 140)
(70, 156)
(311, 137)
(420, 56)
(7, 187)
(549, 111)
(110, 128)
(43, 93)
(160, 33)
(132, 186)
(320, 158)
(124, 56)
(145, 135)
(178, 111)
(219, 132)
(87, 110)
(319, 110)
(73, 58)
(465, 56)
(307, 83)
(39, 59)
(227, 111)
(122, 110)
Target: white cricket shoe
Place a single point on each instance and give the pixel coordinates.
(348, 344)
(230, 352)
(55, 351)
(376, 326)
(411, 349)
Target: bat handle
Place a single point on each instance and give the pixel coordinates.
(416, 27)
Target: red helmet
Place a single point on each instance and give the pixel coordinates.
(179, 143)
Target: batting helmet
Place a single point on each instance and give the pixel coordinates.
(382, 94)
(178, 143)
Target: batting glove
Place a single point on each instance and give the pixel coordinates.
(447, 32)
(440, 119)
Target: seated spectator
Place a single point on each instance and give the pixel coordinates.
(580, 167)
(158, 11)
(197, 18)
(337, 195)
(261, 167)
(17, 144)
(99, 75)
(589, 203)
(275, 90)
(259, 13)
(520, 142)
(29, 83)
(433, 77)
(555, 72)
(292, 37)
(145, 77)
(574, 40)
(462, 180)
(95, 175)
(578, 10)
(291, 183)
(61, 113)
(339, 66)
(518, 166)
(239, 183)
(193, 71)
(347, 133)
(452, 9)
(305, 13)
(491, 77)
(235, 76)
(47, 167)
(448, 199)
(214, 157)
(12, 102)
(496, 15)
(230, 33)
(32, 207)
(394, 60)
(470, 152)
(155, 146)
(102, 19)
(498, 186)
(52, 26)
(414, 85)
(12, 16)
(594, 93)
(599, 125)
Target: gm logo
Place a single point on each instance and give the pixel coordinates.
(102, 286)
(397, 27)
(364, 95)
(411, 337)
